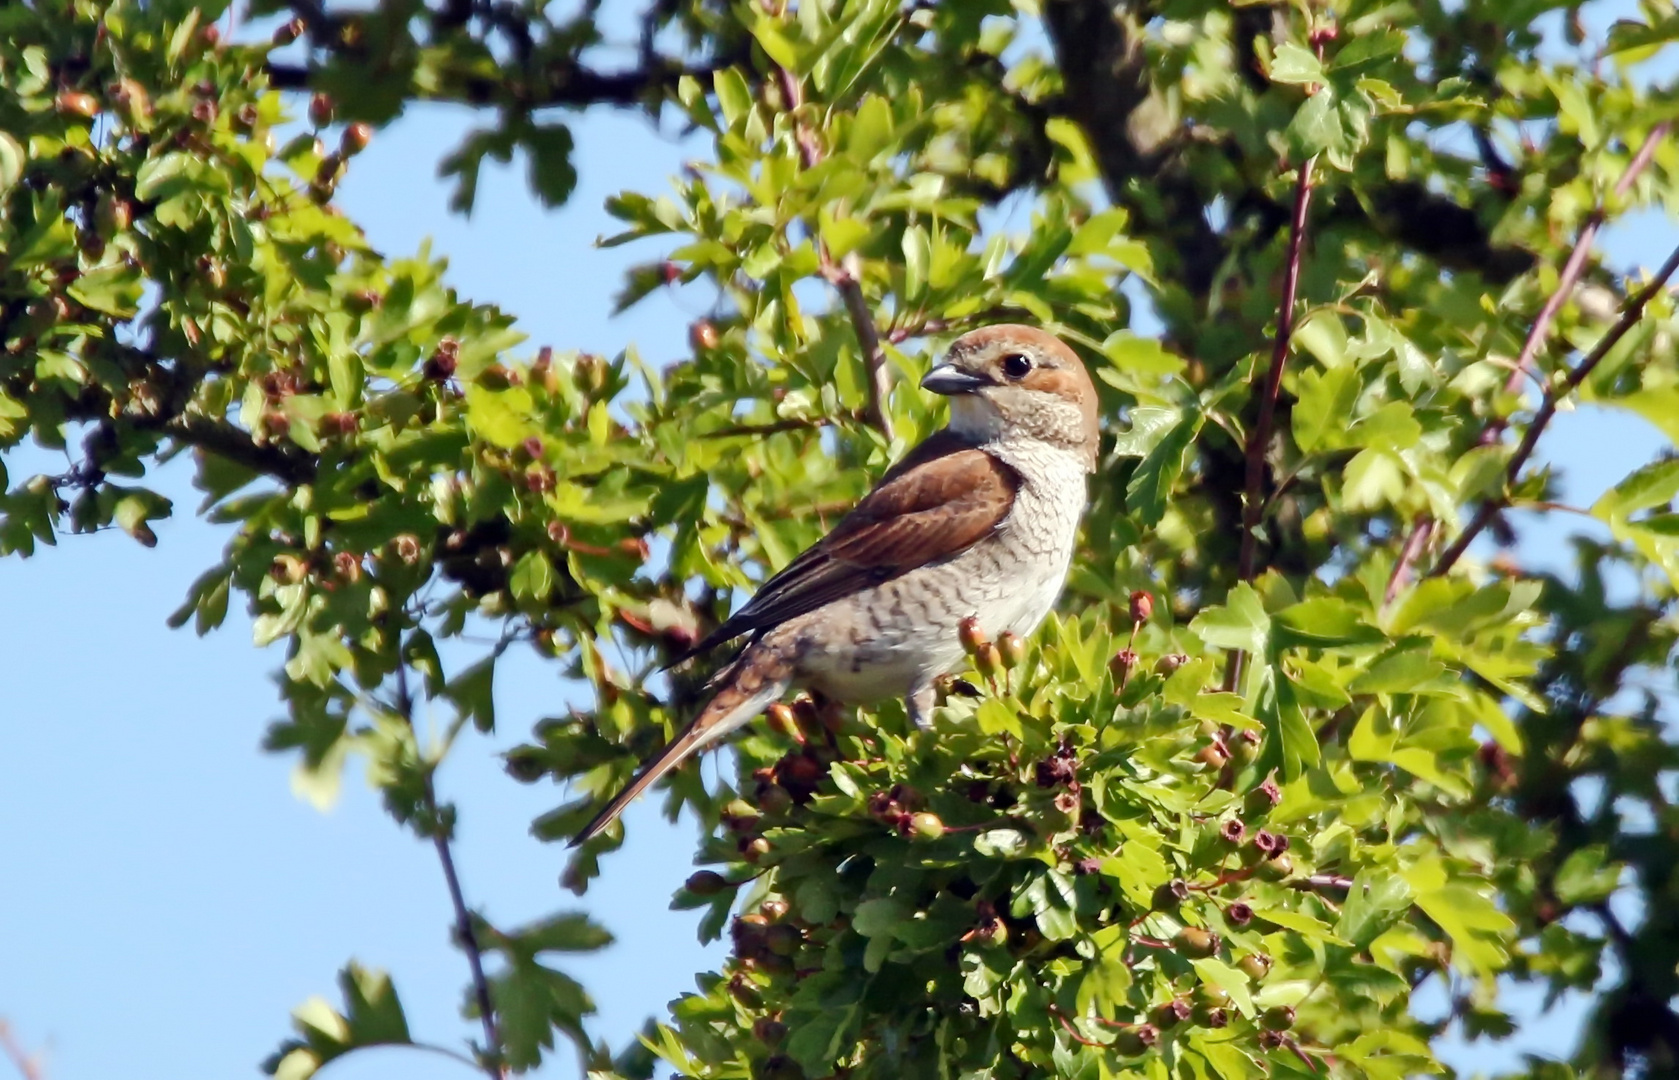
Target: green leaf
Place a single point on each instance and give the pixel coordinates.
(1324, 408)
(112, 290)
(372, 1016)
(1300, 923)
(1296, 64)
(879, 917)
(12, 161)
(552, 175)
(1324, 621)
(1240, 623)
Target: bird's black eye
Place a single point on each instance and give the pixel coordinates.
(1015, 366)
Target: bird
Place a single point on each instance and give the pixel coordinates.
(980, 521)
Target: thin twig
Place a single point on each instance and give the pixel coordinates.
(464, 932)
(1260, 437)
(843, 277)
(1423, 529)
(1630, 316)
(27, 1066)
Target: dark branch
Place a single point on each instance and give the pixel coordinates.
(563, 84)
(464, 932)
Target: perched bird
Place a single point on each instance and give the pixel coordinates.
(979, 520)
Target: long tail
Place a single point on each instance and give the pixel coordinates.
(760, 676)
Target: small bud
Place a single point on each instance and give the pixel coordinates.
(330, 168)
(768, 1031)
(671, 272)
(495, 377)
(1210, 1016)
(972, 637)
(1123, 663)
(1087, 866)
(1266, 843)
(288, 32)
(1244, 750)
(1195, 943)
(347, 565)
(703, 336)
(1012, 650)
(1132, 1041)
(706, 883)
(355, 139)
(1239, 914)
(1255, 965)
(755, 849)
(782, 721)
(408, 548)
(204, 111)
(211, 35)
(925, 826)
(76, 103)
(1277, 1018)
(441, 365)
(1142, 606)
(320, 109)
(1170, 663)
(774, 909)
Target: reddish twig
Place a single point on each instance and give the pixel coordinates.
(1630, 316)
(1260, 437)
(1422, 531)
(464, 931)
(1068, 1024)
(27, 1066)
(844, 278)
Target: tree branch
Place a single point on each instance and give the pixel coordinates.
(562, 84)
(464, 931)
(27, 1066)
(1417, 540)
(1260, 437)
(1548, 408)
(844, 278)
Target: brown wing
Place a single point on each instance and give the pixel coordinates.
(942, 498)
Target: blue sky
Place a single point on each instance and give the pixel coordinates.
(167, 901)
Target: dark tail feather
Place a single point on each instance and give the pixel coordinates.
(758, 678)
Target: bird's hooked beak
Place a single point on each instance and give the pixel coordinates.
(947, 379)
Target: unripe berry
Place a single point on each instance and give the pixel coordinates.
(1209, 1016)
(971, 636)
(755, 849)
(783, 939)
(740, 815)
(288, 32)
(1239, 914)
(703, 336)
(1212, 756)
(925, 826)
(775, 799)
(1232, 831)
(1142, 606)
(774, 909)
(1280, 868)
(1255, 965)
(706, 883)
(1195, 943)
(1277, 1018)
(320, 110)
(1170, 663)
(1132, 1041)
(988, 660)
(1012, 649)
(1170, 1015)
(768, 1031)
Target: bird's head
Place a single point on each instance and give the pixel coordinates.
(1014, 381)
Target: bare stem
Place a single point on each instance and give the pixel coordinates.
(464, 932)
(1630, 316)
(1260, 438)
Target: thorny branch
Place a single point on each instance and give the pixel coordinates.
(1416, 542)
(1259, 439)
(464, 931)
